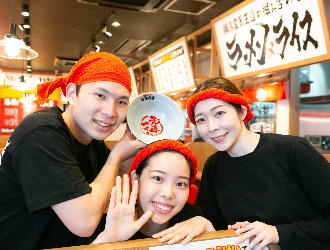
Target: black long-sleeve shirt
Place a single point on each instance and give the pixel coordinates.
(284, 182)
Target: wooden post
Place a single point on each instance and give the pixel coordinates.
(294, 101)
(213, 62)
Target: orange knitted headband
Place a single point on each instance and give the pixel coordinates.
(221, 95)
(166, 144)
(93, 67)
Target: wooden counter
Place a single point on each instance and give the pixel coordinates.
(144, 244)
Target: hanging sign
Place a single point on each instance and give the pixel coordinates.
(262, 36)
(273, 92)
(171, 68)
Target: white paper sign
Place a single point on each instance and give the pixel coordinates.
(216, 244)
(269, 33)
(171, 69)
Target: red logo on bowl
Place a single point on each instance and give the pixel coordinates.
(150, 125)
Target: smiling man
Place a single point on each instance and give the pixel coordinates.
(56, 172)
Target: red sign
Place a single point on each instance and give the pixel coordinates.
(273, 92)
(13, 111)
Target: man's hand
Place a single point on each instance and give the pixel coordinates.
(127, 147)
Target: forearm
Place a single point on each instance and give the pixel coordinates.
(83, 214)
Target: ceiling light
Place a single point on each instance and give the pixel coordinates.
(22, 79)
(25, 10)
(105, 32)
(13, 47)
(97, 48)
(23, 85)
(26, 24)
(261, 94)
(115, 24)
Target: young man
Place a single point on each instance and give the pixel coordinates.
(56, 173)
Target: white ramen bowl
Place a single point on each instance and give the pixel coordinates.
(153, 117)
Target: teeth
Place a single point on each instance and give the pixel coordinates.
(102, 124)
(162, 207)
(220, 137)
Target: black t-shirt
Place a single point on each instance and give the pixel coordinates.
(188, 211)
(284, 182)
(42, 165)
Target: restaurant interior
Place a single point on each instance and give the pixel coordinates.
(56, 34)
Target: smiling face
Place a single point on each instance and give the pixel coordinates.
(164, 186)
(219, 124)
(97, 111)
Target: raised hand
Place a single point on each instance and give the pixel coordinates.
(186, 230)
(121, 224)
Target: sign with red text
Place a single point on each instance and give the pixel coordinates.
(214, 244)
(262, 36)
(171, 68)
(13, 111)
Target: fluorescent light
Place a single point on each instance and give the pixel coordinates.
(25, 10)
(26, 24)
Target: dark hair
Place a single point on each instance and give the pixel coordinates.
(145, 162)
(223, 84)
(77, 89)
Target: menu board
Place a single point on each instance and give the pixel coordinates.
(13, 110)
(262, 36)
(171, 68)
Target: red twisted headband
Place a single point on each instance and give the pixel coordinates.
(221, 95)
(93, 67)
(166, 144)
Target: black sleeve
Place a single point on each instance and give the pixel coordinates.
(312, 172)
(314, 234)
(48, 172)
(206, 197)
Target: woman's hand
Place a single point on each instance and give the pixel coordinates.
(264, 234)
(186, 230)
(238, 225)
(121, 224)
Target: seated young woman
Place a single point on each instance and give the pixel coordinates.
(161, 176)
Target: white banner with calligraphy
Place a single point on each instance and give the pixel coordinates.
(263, 36)
(171, 68)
